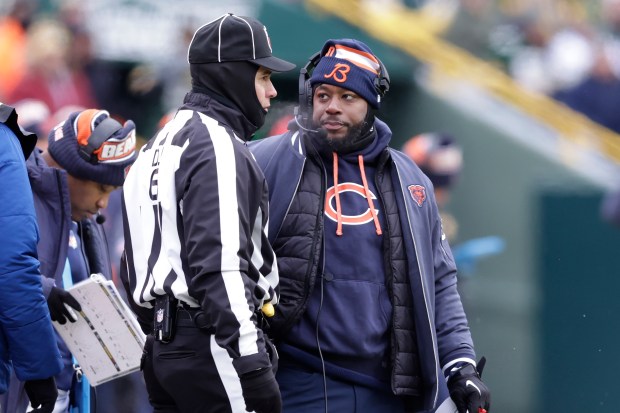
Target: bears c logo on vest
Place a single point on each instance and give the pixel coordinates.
(331, 213)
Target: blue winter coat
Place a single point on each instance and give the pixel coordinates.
(26, 334)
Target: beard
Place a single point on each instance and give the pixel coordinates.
(349, 141)
(355, 139)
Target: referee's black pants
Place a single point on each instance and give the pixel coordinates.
(191, 374)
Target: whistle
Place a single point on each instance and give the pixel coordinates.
(268, 309)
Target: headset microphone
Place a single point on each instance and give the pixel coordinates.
(100, 219)
(297, 116)
(320, 132)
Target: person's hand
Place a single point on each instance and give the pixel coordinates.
(128, 128)
(56, 303)
(261, 392)
(42, 393)
(469, 393)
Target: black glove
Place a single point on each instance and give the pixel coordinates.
(147, 351)
(42, 393)
(56, 303)
(468, 391)
(261, 392)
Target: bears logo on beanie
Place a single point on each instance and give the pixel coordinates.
(92, 146)
(349, 64)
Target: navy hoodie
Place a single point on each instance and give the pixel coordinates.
(350, 299)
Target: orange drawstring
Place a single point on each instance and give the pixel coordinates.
(371, 205)
(338, 211)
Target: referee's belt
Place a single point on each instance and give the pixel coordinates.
(193, 317)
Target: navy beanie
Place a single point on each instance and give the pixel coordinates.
(349, 64)
(92, 146)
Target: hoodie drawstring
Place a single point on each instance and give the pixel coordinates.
(338, 210)
(371, 205)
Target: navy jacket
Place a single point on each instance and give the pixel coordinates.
(443, 336)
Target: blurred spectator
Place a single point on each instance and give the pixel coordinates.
(50, 77)
(172, 72)
(13, 28)
(610, 29)
(130, 89)
(610, 15)
(570, 55)
(440, 157)
(127, 89)
(471, 26)
(280, 125)
(610, 208)
(71, 14)
(527, 59)
(281, 113)
(598, 96)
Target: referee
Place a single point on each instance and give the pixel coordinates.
(198, 267)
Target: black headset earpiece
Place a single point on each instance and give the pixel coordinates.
(304, 110)
(382, 82)
(100, 134)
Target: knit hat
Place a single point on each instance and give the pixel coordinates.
(92, 146)
(438, 156)
(232, 38)
(349, 64)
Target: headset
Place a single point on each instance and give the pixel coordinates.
(303, 112)
(100, 134)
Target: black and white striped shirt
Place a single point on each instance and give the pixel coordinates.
(195, 210)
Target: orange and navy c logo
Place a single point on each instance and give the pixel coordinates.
(330, 202)
(339, 73)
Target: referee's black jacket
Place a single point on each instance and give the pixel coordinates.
(195, 215)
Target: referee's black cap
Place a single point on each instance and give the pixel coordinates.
(231, 38)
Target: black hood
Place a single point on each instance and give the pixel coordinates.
(233, 85)
(27, 140)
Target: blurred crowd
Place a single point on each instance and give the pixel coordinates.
(566, 49)
(50, 69)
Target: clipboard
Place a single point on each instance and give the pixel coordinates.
(106, 340)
